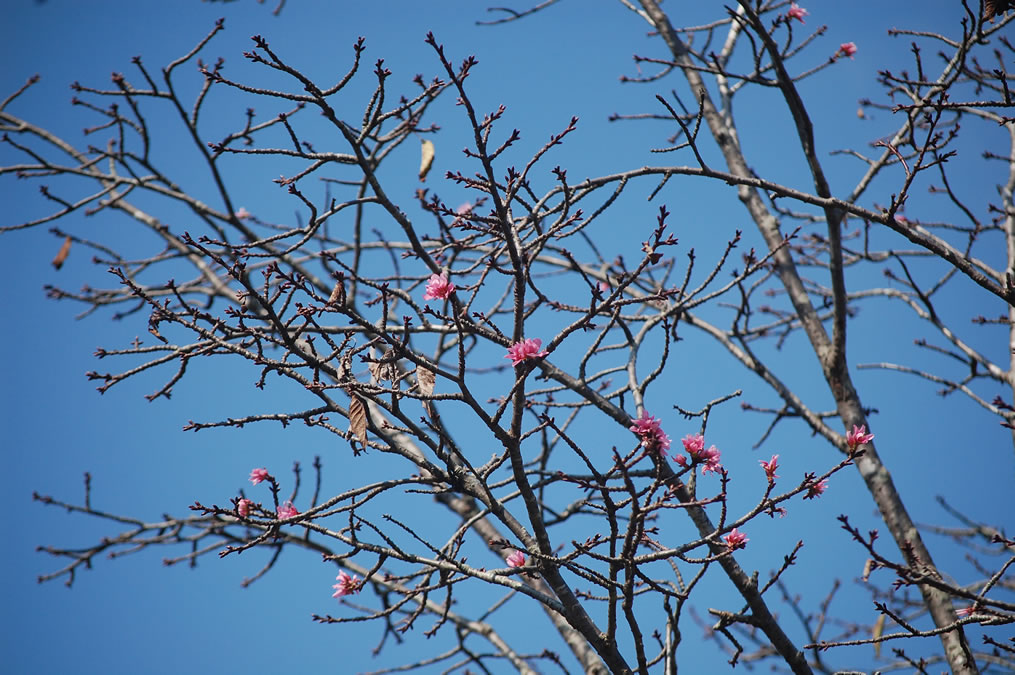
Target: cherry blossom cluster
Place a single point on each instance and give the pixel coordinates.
(816, 488)
(695, 447)
(858, 436)
(282, 511)
(796, 12)
(735, 539)
(651, 433)
(524, 350)
(846, 49)
(346, 585)
(286, 510)
(438, 287)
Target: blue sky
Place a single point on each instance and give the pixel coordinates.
(134, 614)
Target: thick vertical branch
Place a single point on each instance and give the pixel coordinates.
(875, 474)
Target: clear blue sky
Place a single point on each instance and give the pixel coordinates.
(134, 615)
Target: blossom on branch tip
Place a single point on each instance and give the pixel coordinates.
(346, 585)
(770, 466)
(796, 12)
(846, 49)
(695, 446)
(816, 489)
(438, 287)
(516, 559)
(858, 436)
(526, 349)
(735, 539)
(242, 213)
(258, 475)
(711, 459)
(243, 507)
(286, 510)
(651, 433)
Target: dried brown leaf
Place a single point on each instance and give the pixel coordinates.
(62, 254)
(426, 380)
(384, 368)
(358, 418)
(992, 8)
(345, 367)
(337, 297)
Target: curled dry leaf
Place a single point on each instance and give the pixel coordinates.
(992, 8)
(426, 160)
(345, 367)
(337, 297)
(384, 368)
(876, 633)
(425, 380)
(358, 417)
(62, 254)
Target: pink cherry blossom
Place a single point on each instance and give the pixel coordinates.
(816, 489)
(680, 459)
(662, 442)
(858, 436)
(243, 507)
(711, 459)
(346, 585)
(516, 559)
(526, 349)
(693, 444)
(286, 510)
(650, 431)
(846, 49)
(966, 611)
(258, 475)
(796, 12)
(770, 466)
(242, 213)
(735, 539)
(438, 288)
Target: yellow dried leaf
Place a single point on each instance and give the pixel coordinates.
(879, 629)
(426, 160)
(62, 254)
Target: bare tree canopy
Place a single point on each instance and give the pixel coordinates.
(561, 337)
